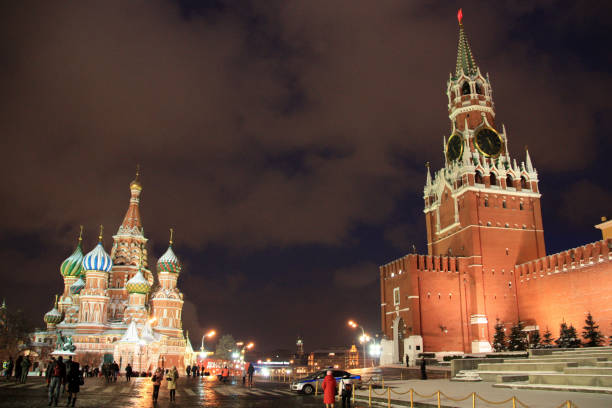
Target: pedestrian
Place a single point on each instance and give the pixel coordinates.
(48, 370)
(128, 372)
(25, 369)
(157, 378)
(18, 368)
(58, 376)
(329, 390)
(172, 378)
(116, 369)
(250, 372)
(423, 369)
(225, 374)
(345, 391)
(9, 369)
(68, 364)
(188, 369)
(74, 380)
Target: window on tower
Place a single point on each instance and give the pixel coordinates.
(524, 185)
(465, 89)
(493, 179)
(478, 178)
(509, 181)
(486, 202)
(479, 89)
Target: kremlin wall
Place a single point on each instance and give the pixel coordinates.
(486, 256)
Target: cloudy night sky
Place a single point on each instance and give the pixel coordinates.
(284, 141)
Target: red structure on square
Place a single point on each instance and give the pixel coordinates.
(486, 256)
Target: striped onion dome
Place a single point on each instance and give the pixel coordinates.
(168, 262)
(53, 316)
(97, 260)
(138, 284)
(73, 265)
(77, 286)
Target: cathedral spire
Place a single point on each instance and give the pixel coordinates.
(465, 59)
(131, 224)
(428, 181)
(528, 163)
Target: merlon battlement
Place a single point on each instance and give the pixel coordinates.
(571, 259)
(422, 263)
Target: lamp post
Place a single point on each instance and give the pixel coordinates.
(209, 334)
(363, 339)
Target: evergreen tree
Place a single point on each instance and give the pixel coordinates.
(499, 340)
(563, 341)
(572, 336)
(547, 339)
(225, 347)
(534, 340)
(518, 340)
(591, 333)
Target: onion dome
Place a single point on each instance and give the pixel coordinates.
(168, 262)
(98, 259)
(138, 284)
(135, 184)
(53, 316)
(73, 265)
(77, 286)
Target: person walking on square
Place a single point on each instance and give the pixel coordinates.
(250, 372)
(329, 390)
(171, 378)
(115, 370)
(423, 369)
(157, 379)
(74, 381)
(9, 369)
(345, 391)
(18, 368)
(25, 369)
(128, 372)
(48, 372)
(188, 369)
(58, 376)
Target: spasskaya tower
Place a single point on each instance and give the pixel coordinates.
(482, 205)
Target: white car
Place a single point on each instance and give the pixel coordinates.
(308, 384)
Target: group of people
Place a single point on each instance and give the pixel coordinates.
(344, 387)
(64, 377)
(171, 377)
(21, 367)
(195, 371)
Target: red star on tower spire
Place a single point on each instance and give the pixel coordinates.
(460, 16)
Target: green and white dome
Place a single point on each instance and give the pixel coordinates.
(73, 265)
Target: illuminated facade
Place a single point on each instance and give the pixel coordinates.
(486, 258)
(112, 306)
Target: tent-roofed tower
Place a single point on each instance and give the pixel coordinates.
(129, 253)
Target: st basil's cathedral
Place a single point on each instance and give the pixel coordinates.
(111, 307)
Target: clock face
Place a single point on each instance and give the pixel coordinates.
(454, 147)
(488, 142)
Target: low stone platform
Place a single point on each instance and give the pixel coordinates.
(591, 380)
(526, 366)
(559, 388)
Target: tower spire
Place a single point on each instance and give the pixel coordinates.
(171, 235)
(101, 233)
(528, 163)
(428, 180)
(465, 60)
(80, 234)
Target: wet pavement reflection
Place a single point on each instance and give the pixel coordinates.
(191, 392)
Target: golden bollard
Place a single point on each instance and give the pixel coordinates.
(370, 396)
(439, 400)
(513, 402)
(389, 397)
(411, 398)
(473, 400)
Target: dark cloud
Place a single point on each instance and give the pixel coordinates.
(284, 141)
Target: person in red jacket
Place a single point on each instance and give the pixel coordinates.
(329, 390)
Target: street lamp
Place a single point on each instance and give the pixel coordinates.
(364, 338)
(209, 334)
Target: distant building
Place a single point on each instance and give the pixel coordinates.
(335, 357)
(486, 259)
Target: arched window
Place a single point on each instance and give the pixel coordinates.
(479, 89)
(465, 89)
(486, 202)
(452, 95)
(493, 179)
(478, 178)
(509, 181)
(524, 185)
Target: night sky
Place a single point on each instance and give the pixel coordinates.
(284, 141)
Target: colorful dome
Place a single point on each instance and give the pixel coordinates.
(77, 286)
(138, 284)
(53, 316)
(97, 260)
(73, 265)
(168, 262)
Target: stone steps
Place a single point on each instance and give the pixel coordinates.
(578, 355)
(591, 380)
(506, 376)
(589, 370)
(604, 364)
(527, 366)
(579, 360)
(566, 388)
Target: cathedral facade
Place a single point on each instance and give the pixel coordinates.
(486, 260)
(112, 308)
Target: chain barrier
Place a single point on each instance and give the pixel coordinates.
(439, 394)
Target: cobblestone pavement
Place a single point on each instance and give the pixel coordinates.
(191, 392)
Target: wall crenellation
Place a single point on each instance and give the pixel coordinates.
(571, 259)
